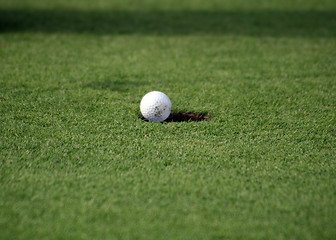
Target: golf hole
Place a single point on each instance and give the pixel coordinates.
(185, 117)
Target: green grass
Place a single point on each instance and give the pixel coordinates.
(77, 161)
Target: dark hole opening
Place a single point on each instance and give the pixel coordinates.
(185, 117)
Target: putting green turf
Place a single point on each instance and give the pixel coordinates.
(77, 162)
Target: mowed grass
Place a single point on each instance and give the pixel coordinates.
(77, 161)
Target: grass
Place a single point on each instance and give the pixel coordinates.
(77, 161)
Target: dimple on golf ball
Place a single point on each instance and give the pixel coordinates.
(155, 106)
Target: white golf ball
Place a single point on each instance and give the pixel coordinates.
(155, 106)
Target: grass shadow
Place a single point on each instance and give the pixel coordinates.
(114, 85)
(275, 23)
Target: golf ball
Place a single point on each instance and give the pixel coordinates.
(155, 106)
